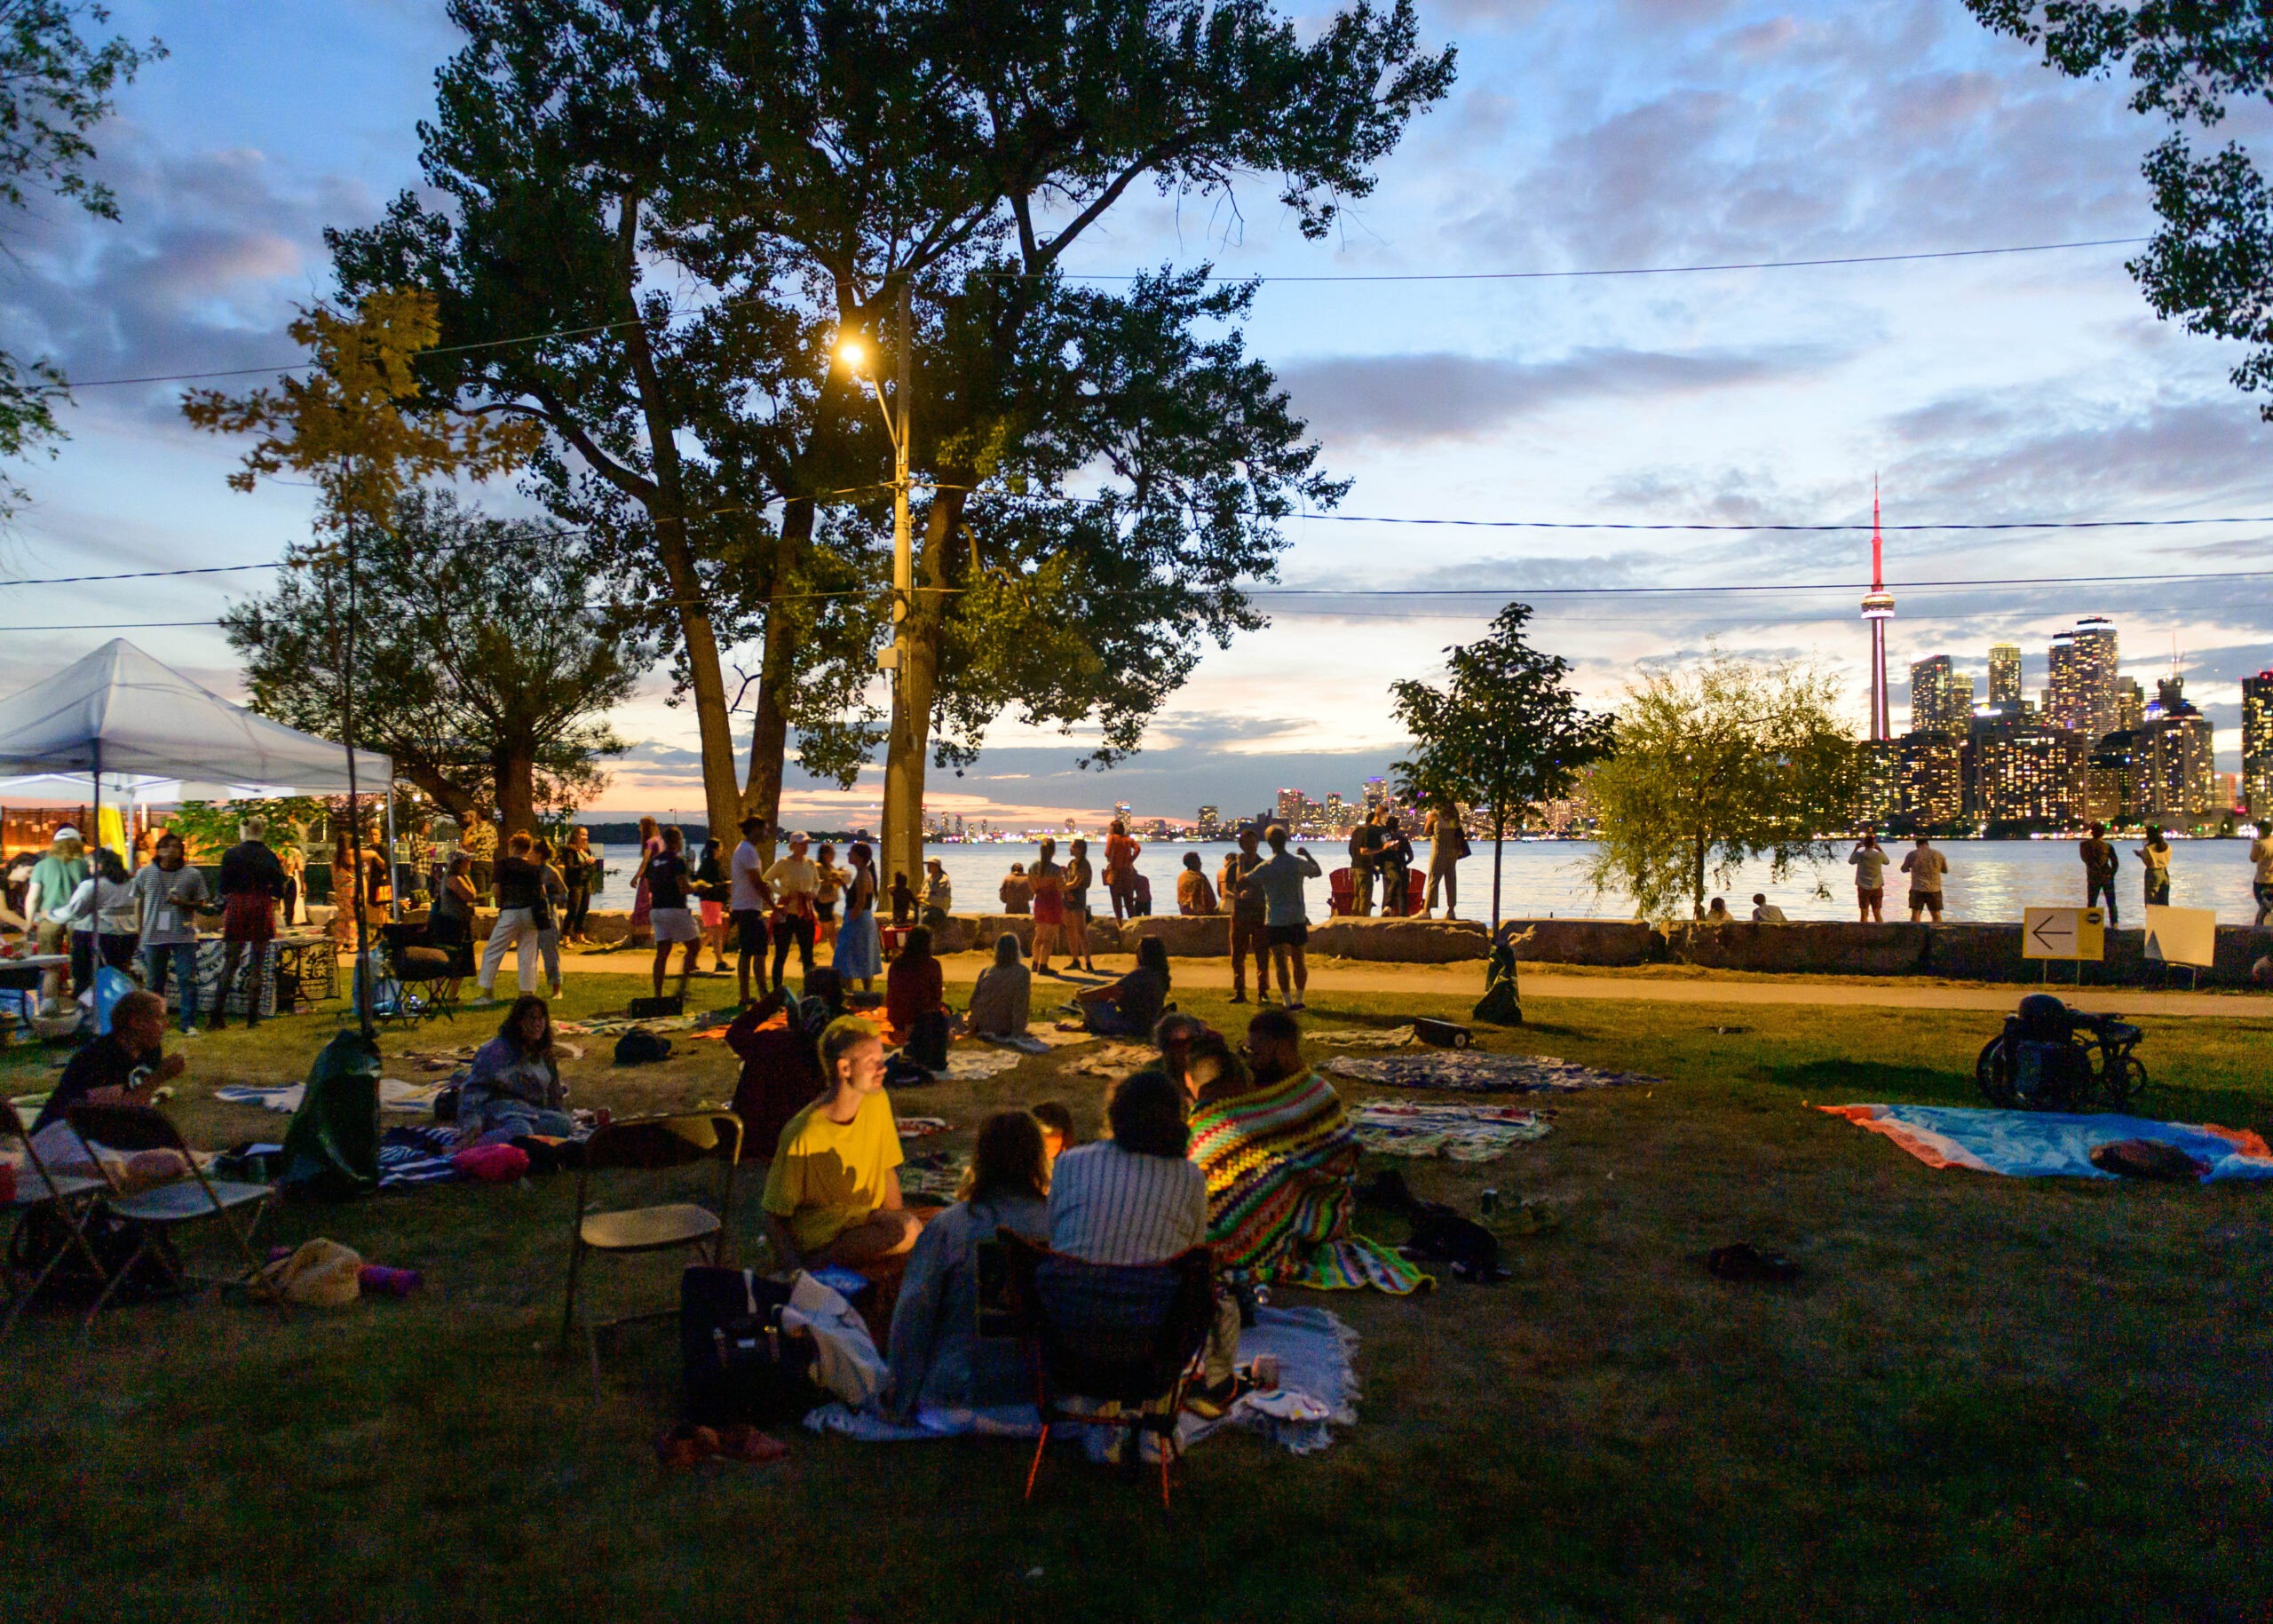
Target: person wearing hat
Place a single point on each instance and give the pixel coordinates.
(794, 882)
(55, 878)
(939, 893)
(748, 897)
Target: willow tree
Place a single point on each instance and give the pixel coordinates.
(1715, 765)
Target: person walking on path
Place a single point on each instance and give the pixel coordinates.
(1869, 859)
(1279, 878)
(1925, 867)
(1121, 853)
(1079, 878)
(2098, 854)
(2154, 863)
(860, 947)
(520, 899)
(1447, 845)
(2260, 854)
(1250, 931)
(251, 880)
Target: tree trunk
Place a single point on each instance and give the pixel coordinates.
(1499, 836)
(516, 792)
(912, 693)
(1697, 881)
(769, 732)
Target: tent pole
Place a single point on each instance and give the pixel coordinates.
(395, 907)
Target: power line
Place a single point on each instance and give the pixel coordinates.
(138, 575)
(112, 626)
(1558, 524)
(1094, 276)
(1768, 586)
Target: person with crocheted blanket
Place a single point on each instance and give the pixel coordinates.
(1281, 1161)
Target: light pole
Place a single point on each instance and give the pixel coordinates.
(900, 823)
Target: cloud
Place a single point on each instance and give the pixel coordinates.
(1404, 400)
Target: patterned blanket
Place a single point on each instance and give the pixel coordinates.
(1475, 1072)
(1281, 1162)
(1462, 1133)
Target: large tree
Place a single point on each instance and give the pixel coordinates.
(486, 664)
(1505, 733)
(1717, 764)
(55, 85)
(2211, 262)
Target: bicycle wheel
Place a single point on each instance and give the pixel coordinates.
(1993, 1074)
(2122, 1081)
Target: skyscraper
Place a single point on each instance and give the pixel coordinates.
(1211, 823)
(1290, 807)
(1957, 701)
(1930, 694)
(2257, 743)
(2177, 769)
(1877, 608)
(1932, 789)
(2083, 678)
(2004, 678)
(2130, 704)
(2027, 772)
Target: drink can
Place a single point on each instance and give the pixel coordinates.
(1491, 1203)
(1265, 1371)
(603, 1116)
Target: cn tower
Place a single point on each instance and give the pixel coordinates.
(1877, 608)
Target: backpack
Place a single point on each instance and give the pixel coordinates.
(736, 1362)
(926, 1045)
(641, 1047)
(42, 1232)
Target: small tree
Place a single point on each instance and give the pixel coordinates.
(1716, 766)
(1505, 734)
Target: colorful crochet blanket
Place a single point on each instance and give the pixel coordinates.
(1281, 1163)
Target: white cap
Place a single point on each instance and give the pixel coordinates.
(67, 833)
(801, 837)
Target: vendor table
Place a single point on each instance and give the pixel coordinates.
(306, 970)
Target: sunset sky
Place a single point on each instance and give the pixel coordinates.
(1642, 133)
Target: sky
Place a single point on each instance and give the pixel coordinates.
(1604, 135)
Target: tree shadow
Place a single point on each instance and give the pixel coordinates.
(1877, 1081)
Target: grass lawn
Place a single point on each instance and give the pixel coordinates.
(1986, 1398)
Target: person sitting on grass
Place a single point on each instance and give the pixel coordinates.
(1173, 1034)
(915, 987)
(1129, 1007)
(514, 1085)
(1057, 1135)
(1213, 1073)
(1003, 997)
(122, 1067)
(939, 1358)
(832, 1195)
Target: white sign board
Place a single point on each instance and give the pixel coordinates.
(2063, 934)
(2183, 935)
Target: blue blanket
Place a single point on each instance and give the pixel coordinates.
(2047, 1145)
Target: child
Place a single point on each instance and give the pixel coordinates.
(1057, 1128)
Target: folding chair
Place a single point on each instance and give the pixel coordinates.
(68, 1194)
(416, 976)
(649, 1144)
(162, 1209)
(1127, 1336)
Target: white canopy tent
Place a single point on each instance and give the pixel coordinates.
(121, 720)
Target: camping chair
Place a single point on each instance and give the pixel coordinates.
(162, 1209)
(649, 1144)
(416, 976)
(1341, 891)
(68, 1195)
(1118, 1335)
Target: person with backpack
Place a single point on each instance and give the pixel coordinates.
(1447, 845)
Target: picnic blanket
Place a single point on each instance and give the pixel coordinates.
(1119, 1060)
(411, 1097)
(921, 1127)
(2049, 1144)
(1461, 1133)
(1041, 1040)
(971, 1065)
(1364, 1037)
(409, 1157)
(1281, 1163)
(1473, 1070)
(1318, 1391)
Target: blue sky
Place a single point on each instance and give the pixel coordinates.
(1620, 133)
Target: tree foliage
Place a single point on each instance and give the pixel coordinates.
(2211, 262)
(1505, 733)
(484, 667)
(1719, 764)
(55, 85)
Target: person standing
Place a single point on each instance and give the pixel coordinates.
(746, 899)
(2098, 854)
(1447, 845)
(1079, 878)
(1365, 845)
(554, 910)
(831, 881)
(579, 869)
(1869, 860)
(2154, 861)
(55, 879)
(2260, 854)
(168, 893)
(1286, 922)
(449, 924)
(712, 892)
(1925, 867)
(1396, 860)
(293, 858)
(520, 897)
(1047, 885)
(643, 902)
(103, 919)
(251, 880)
(860, 947)
(477, 839)
(669, 882)
(1250, 931)
(1120, 854)
(794, 882)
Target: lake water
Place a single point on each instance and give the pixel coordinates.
(1989, 880)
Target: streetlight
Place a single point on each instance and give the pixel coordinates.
(853, 354)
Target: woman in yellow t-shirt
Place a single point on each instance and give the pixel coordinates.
(832, 1195)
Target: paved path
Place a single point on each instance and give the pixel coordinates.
(1467, 980)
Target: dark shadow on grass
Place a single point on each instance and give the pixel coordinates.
(1877, 1083)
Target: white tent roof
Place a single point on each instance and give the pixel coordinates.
(146, 726)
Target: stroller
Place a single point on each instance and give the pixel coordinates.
(2051, 1058)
